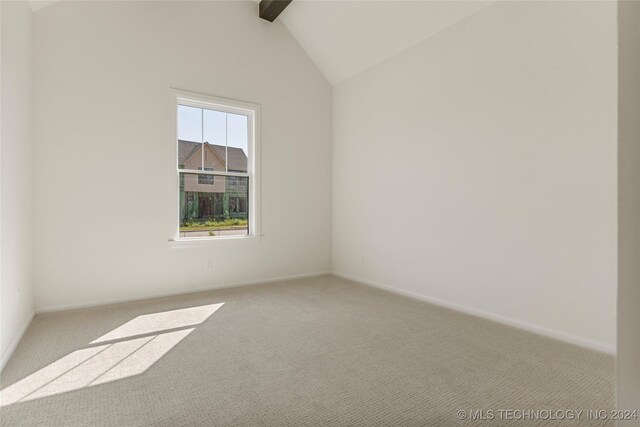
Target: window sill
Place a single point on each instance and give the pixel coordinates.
(198, 242)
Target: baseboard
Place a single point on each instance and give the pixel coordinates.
(539, 330)
(7, 354)
(67, 307)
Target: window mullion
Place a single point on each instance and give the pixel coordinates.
(202, 138)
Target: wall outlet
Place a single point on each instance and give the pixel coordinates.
(208, 264)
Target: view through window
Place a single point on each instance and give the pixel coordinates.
(213, 160)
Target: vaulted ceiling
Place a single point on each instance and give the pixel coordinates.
(346, 37)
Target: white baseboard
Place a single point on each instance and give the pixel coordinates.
(550, 333)
(539, 330)
(66, 307)
(9, 351)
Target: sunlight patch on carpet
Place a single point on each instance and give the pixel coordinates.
(122, 357)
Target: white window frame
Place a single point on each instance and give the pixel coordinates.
(252, 111)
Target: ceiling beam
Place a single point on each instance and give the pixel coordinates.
(270, 9)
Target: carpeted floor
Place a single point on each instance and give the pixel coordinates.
(323, 351)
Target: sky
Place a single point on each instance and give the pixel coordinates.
(190, 121)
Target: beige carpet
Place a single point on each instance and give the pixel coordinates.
(324, 351)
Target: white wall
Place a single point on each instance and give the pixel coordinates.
(16, 154)
(103, 72)
(629, 207)
(478, 169)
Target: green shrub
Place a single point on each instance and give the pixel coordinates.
(212, 223)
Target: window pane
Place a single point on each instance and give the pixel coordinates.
(237, 142)
(212, 139)
(215, 134)
(189, 123)
(190, 153)
(218, 209)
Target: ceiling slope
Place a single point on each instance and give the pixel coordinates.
(344, 38)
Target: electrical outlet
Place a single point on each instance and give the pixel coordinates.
(208, 264)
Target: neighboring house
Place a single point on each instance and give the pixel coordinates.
(207, 196)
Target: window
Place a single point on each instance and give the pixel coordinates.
(206, 179)
(216, 167)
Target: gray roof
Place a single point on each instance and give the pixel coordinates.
(236, 156)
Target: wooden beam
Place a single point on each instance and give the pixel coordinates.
(270, 9)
